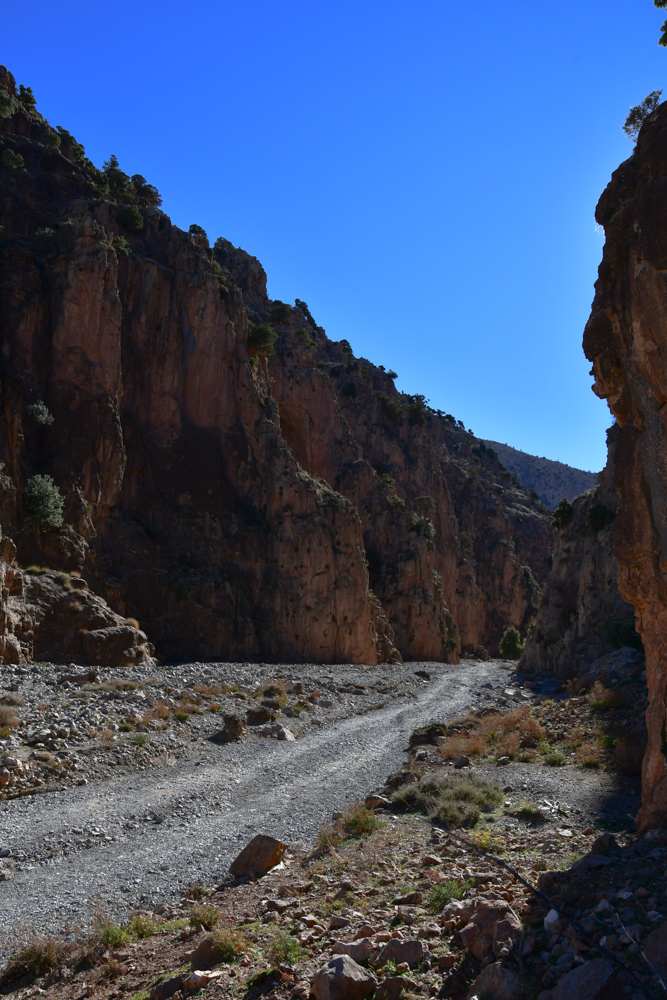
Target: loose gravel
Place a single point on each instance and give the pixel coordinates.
(142, 836)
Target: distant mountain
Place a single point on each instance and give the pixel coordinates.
(551, 480)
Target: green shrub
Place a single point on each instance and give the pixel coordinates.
(147, 193)
(563, 514)
(305, 337)
(39, 413)
(261, 338)
(227, 944)
(51, 139)
(360, 821)
(280, 312)
(507, 543)
(121, 246)
(396, 502)
(554, 759)
(204, 914)
(141, 926)
(429, 531)
(449, 800)
(467, 542)
(196, 230)
(444, 892)
(392, 374)
(6, 104)
(283, 949)
(44, 502)
(26, 97)
(416, 410)
(510, 646)
(391, 405)
(638, 115)
(11, 160)
(600, 516)
(109, 934)
(132, 218)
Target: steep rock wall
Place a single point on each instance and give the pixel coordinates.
(582, 615)
(626, 339)
(289, 508)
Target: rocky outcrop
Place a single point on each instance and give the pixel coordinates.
(582, 615)
(50, 615)
(626, 339)
(550, 480)
(241, 504)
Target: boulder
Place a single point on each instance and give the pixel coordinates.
(258, 857)
(459, 910)
(278, 732)
(462, 761)
(235, 728)
(167, 988)
(492, 930)
(495, 982)
(393, 987)
(198, 980)
(410, 899)
(411, 952)
(605, 844)
(594, 980)
(655, 948)
(360, 951)
(342, 979)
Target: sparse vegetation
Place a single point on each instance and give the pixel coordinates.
(36, 958)
(452, 801)
(51, 139)
(43, 501)
(510, 646)
(563, 514)
(283, 949)
(11, 160)
(640, 112)
(261, 338)
(444, 892)
(40, 413)
(228, 943)
(205, 915)
(121, 246)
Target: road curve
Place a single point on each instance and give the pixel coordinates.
(179, 825)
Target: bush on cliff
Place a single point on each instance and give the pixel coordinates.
(11, 160)
(51, 139)
(261, 338)
(562, 515)
(511, 646)
(43, 501)
(638, 115)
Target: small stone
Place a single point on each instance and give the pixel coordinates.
(604, 906)
(408, 952)
(462, 761)
(502, 761)
(606, 844)
(359, 951)
(337, 923)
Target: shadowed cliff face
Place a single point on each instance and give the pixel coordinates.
(295, 508)
(626, 339)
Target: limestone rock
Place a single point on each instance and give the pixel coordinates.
(492, 930)
(258, 856)
(235, 728)
(495, 982)
(594, 980)
(625, 338)
(411, 952)
(360, 951)
(343, 979)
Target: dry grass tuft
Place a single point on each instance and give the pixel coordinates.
(452, 801)
(36, 958)
(602, 699)
(501, 734)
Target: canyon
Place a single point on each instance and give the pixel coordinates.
(234, 480)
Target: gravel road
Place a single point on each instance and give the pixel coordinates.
(141, 838)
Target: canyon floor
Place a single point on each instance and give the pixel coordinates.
(139, 829)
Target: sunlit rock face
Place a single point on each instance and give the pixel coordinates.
(626, 339)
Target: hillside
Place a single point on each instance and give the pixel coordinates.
(242, 485)
(551, 480)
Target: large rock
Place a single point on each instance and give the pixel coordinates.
(655, 948)
(343, 979)
(492, 931)
(496, 982)
(360, 951)
(394, 987)
(594, 980)
(235, 728)
(399, 951)
(626, 339)
(258, 857)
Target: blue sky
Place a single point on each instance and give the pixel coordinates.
(423, 175)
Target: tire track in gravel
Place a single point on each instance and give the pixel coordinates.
(200, 812)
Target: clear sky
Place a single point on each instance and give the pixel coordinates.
(424, 175)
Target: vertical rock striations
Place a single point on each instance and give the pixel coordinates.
(626, 339)
(242, 503)
(582, 615)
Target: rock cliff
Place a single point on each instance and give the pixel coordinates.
(582, 615)
(626, 339)
(550, 480)
(246, 490)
